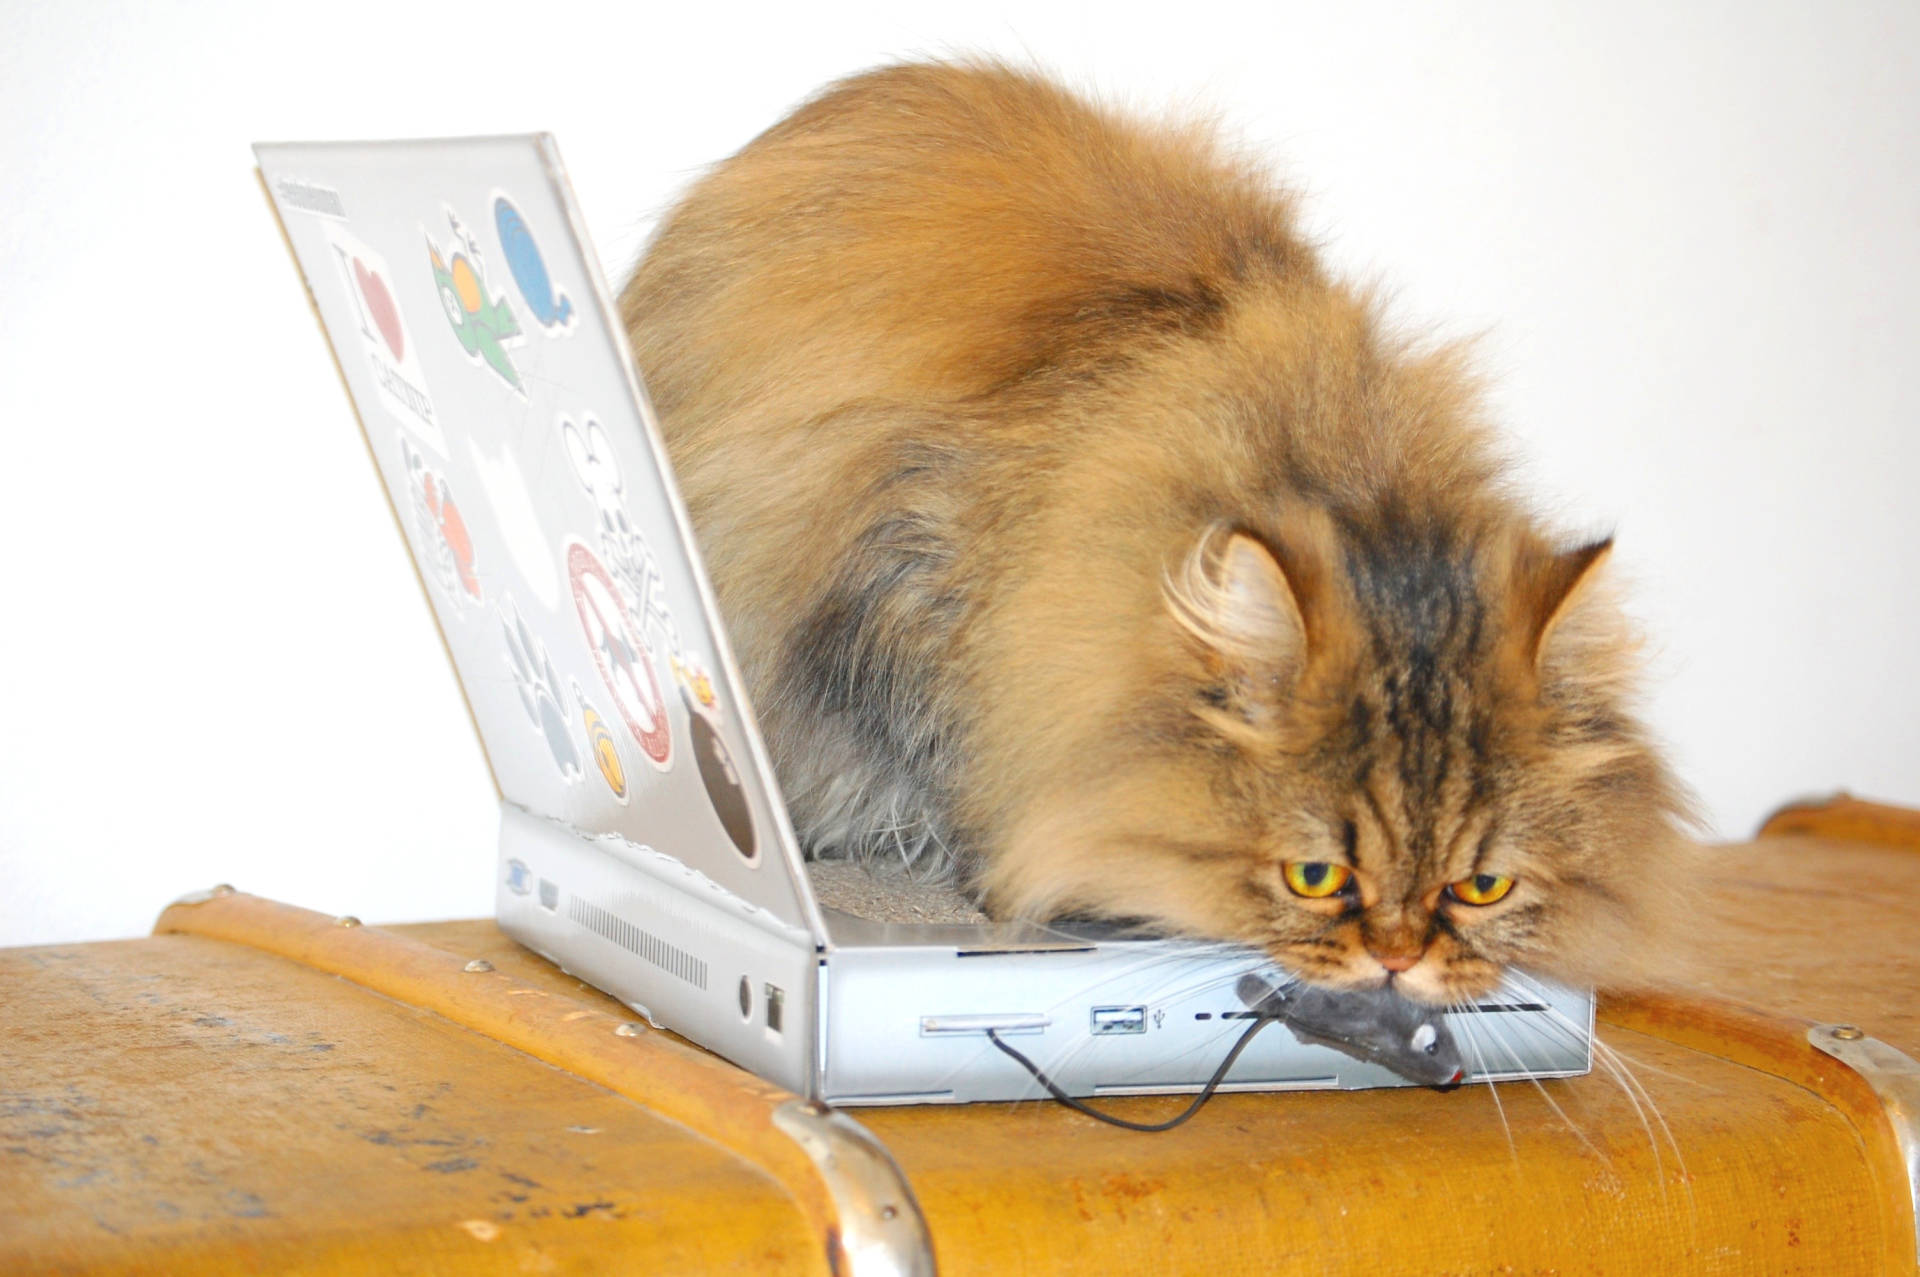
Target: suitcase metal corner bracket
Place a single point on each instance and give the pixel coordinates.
(1895, 1079)
(882, 1230)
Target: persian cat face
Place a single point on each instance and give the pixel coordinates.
(1418, 771)
(1438, 718)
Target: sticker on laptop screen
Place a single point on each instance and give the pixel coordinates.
(602, 747)
(481, 317)
(696, 686)
(310, 197)
(621, 653)
(550, 307)
(447, 547)
(540, 694)
(718, 774)
(517, 520)
(628, 559)
(386, 343)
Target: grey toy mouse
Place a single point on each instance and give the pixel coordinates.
(1375, 1025)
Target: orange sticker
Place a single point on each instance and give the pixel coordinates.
(605, 754)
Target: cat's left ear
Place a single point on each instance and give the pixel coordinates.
(1245, 600)
(1553, 586)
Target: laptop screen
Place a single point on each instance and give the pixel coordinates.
(497, 394)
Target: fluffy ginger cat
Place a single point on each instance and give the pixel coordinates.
(1077, 530)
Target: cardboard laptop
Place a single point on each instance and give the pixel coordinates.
(644, 846)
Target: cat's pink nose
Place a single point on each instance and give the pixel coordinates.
(1397, 962)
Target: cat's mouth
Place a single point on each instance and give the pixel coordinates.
(1416, 986)
(1429, 981)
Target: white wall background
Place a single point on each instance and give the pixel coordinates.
(1692, 234)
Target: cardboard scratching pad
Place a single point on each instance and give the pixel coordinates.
(882, 896)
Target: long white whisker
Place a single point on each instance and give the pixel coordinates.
(1638, 1093)
(1499, 1040)
(1619, 1067)
(1629, 1083)
(1463, 1021)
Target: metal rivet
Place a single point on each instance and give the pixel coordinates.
(889, 1211)
(346, 920)
(1848, 1032)
(223, 889)
(479, 966)
(630, 1029)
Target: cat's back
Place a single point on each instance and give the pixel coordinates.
(880, 340)
(935, 232)
(953, 366)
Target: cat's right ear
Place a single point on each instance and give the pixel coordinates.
(1247, 601)
(1550, 587)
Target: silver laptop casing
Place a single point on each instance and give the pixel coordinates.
(644, 845)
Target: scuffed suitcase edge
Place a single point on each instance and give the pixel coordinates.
(1895, 1078)
(843, 1179)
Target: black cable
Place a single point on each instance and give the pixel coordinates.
(1206, 1092)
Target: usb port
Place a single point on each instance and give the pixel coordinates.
(1118, 1020)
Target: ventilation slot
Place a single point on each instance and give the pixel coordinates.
(623, 933)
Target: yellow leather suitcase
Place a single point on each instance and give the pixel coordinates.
(257, 1088)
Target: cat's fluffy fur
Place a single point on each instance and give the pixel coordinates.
(1072, 524)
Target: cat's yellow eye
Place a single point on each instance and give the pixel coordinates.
(1315, 879)
(1481, 889)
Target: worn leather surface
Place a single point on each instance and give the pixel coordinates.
(1821, 928)
(180, 1105)
(1842, 816)
(186, 1104)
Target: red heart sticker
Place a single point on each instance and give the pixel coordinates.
(386, 316)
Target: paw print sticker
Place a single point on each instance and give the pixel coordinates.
(539, 688)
